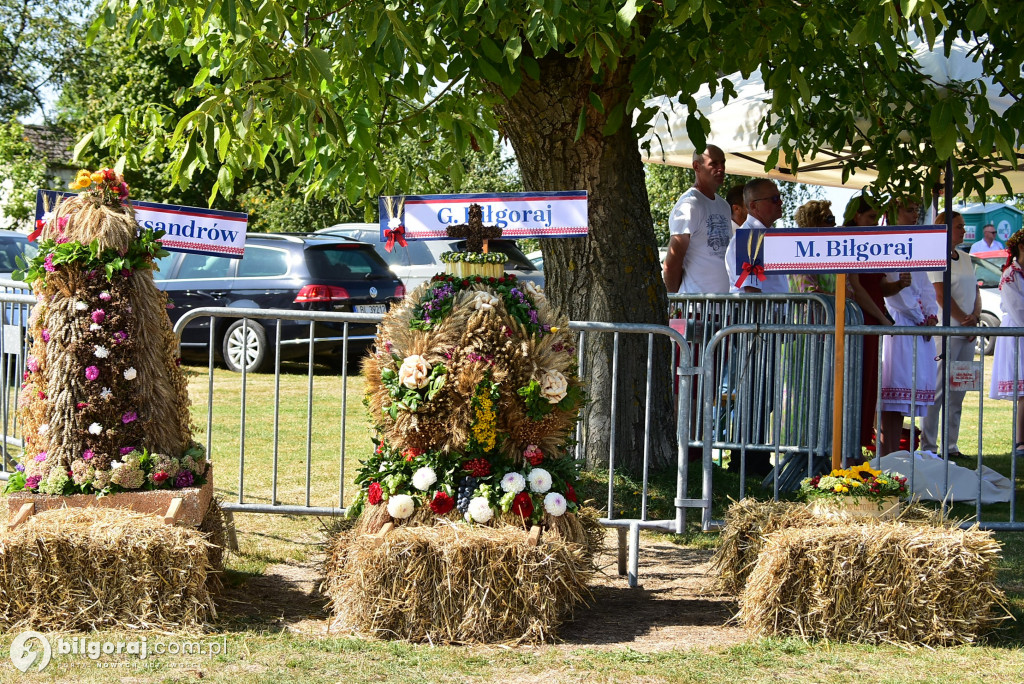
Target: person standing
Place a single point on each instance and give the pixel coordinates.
(700, 229)
(814, 214)
(988, 241)
(764, 208)
(964, 310)
(1008, 361)
(737, 205)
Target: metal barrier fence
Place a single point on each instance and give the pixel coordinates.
(998, 516)
(753, 375)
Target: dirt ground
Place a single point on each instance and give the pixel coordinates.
(674, 606)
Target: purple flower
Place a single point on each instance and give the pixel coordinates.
(20, 468)
(32, 482)
(91, 373)
(124, 274)
(129, 417)
(533, 315)
(48, 264)
(184, 479)
(32, 364)
(127, 450)
(46, 335)
(99, 315)
(87, 455)
(40, 457)
(120, 336)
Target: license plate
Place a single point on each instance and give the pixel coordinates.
(371, 308)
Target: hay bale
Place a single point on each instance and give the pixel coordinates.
(876, 583)
(455, 584)
(92, 568)
(749, 521)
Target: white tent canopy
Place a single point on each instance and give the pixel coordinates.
(734, 126)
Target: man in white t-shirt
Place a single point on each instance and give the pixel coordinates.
(764, 208)
(988, 241)
(700, 226)
(965, 308)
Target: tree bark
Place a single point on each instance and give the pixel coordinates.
(613, 274)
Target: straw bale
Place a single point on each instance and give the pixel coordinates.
(453, 583)
(92, 568)
(877, 583)
(749, 521)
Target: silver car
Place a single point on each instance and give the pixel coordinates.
(416, 263)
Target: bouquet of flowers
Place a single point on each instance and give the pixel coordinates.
(857, 482)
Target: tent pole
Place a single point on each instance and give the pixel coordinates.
(837, 392)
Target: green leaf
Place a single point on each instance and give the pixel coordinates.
(624, 17)
(614, 119)
(581, 124)
(595, 101)
(695, 130)
(322, 63)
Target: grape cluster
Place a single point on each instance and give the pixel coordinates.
(464, 493)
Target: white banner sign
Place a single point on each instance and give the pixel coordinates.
(518, 214)
(189, 229)
(965, 376)
(843, 249)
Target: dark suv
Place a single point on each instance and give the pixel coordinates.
(279, 271)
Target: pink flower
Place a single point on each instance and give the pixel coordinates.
(127, 450)
(81, 405)
(105, 296)
(129, 417)
(159, 477)
(87, 455)
(91, 373)
(62, 222)
(46, 335)
(48, 264)
(120, 336)
(99, 315)
(32, 364)
(40, 457)
(33, 481)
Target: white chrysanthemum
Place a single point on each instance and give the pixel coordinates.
(101, 352)
(81, 306)
(484, 301)
(394, 222)
(130, 374)
(480, 510)
(105, 394)
(401, 506)
(114, 465)
(95, 429)
(95, 326)
(554, 504)
(423, 478)
(540, 480)
(44, 428)
(513, 482)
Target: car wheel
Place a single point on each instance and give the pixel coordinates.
(987, 344)
(245, 342)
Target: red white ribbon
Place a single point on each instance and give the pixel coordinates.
(396, 234)
(748, 269)
(35, 233)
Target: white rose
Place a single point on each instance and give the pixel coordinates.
(553, 386)
(479, 510)
(414, 373)
(95, 429)
(101, 352)
(484, 301)
(81, 306)
(554, 504)
(401, 506)
(130, 374)
(540, 480)
(423, 478)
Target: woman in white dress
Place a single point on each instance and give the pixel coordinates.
(1010, 350)
(907, 385)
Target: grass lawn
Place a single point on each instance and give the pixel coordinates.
(262, 650)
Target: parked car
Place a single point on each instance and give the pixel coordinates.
(537, 257)
(12, 245)
(416, 263)
(988, 272)
(279, 271)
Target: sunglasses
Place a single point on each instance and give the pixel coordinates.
(776, 199)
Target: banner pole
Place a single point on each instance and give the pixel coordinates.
(838, 375)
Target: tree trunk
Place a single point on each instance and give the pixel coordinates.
(613, 274)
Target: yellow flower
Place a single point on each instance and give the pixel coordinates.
(855, 483)
(554, 328)
(844, 489)
(837, 488)
(97, 176)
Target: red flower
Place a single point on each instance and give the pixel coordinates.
(412, 452)
(374, 494)
(442, 503)
(477, 279)
(478, 467)
(570, 493)
(159, 477)
(522, 505)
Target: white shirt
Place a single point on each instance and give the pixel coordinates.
(980, 246)
(708, 223)
(963, 288)
(772, 283)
